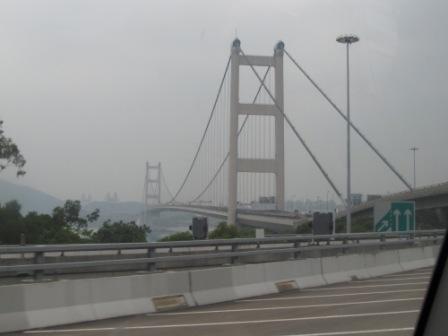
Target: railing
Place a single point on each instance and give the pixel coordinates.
(179, 254)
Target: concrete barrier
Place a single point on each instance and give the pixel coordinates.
(309, 273)
(40, 305)
(212, 285)
(28, 306)
(411, 258)
(250, 280)
(13, 314)
(344, 268)
(381, 263)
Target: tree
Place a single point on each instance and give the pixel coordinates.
(225, 231)
(121, 232)
(178, 236)
(68, 215)
(11, 224)
(10, 154)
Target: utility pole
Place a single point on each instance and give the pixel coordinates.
(348, 40)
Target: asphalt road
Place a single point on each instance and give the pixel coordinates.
(387, 305)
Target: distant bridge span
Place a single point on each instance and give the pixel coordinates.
(430, 197)
(275, 221)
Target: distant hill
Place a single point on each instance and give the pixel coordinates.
(115, 211)
(35, 200)
(30, 199)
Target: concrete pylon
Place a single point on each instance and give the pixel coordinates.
(274, 165)
(153, 184)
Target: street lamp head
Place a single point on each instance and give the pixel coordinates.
(347, 39)
(236, 43)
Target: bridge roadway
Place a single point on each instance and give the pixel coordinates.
(280, 222)
(387, 305)
(430, 197)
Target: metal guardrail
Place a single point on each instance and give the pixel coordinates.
(6, 249)
(339, 242)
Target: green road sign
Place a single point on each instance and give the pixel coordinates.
(394, 216)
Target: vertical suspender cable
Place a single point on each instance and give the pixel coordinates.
(313, 157)
(204, 134)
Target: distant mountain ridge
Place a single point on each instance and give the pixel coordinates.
(35, 200)
(31, 199)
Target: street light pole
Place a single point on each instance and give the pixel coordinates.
(414, 149)
(347, 40)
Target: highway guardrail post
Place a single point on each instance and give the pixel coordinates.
(151, 265)
(297, 253)
(38, 259)
(234, 248)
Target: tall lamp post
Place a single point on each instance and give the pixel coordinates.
(347, 40)
(414, 149)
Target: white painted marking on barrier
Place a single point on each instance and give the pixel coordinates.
(209, 324)
(240, 310)
(357, 332)
(368, 286)
(296, 297)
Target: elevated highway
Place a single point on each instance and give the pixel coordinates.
(434, 197)
(275, 221)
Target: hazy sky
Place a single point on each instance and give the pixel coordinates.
(91, 89)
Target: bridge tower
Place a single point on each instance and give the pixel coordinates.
(152, 184)
(274, 165)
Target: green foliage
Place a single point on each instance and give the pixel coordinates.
(10, 154)
(225, 231)
(178, 236)
(304, 229)
(121, 232)
(63, 226)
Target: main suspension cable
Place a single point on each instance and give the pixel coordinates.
(204, 134)
(170, 195)
(406, 183)
(313, 157)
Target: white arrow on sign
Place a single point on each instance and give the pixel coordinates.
(408, 214)
(384, 226)
(397, 215)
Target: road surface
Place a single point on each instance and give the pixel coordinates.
(387, 305)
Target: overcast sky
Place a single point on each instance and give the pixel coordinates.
(91, 89)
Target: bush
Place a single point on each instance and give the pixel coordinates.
(178, 236)
(121, 232)
(304, 229)
(225, 231)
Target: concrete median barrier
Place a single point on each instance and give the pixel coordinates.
(343, 268)
(250, 280)
(412, 258)
(309, 273)
(212, 285)
(13, 314)
(382, 262)
(44, 304)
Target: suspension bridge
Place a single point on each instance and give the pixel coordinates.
(238, 168)
(237, 173)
